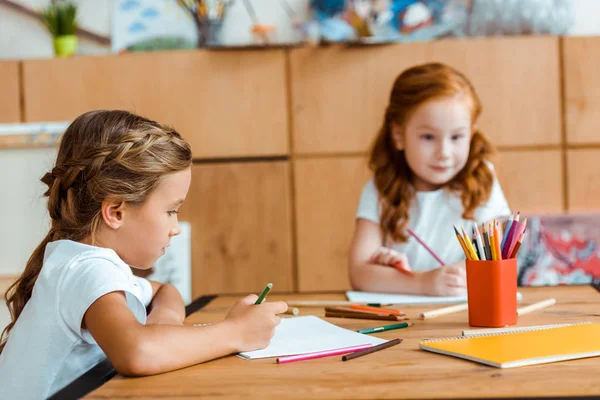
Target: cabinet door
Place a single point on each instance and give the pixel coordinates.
(581, 56)
(227, 104)
(327, 192)
(339, 94)
(240, 220)
(10, 102)
(532, 180)
(584, 179)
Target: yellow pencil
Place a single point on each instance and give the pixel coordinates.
(469, 244)
(462, 243)
(492, 242)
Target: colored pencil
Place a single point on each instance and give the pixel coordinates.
(292, 311)
(535, 306)
(413, 234)
(469, 244)
(400, 267)
(462, 243)
(518, 235)
(497, 241)
(264, 293)
(508, 224)
(350, 310)
(319, 354)
(444, 311)
(486, 241)
(376, 309)
(517, 246)
(510, 236)
(492, 242)
(331, 314)
(370, 350)
(479, 243)
(386, 328)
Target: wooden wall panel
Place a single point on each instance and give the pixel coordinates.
(584, 179)
(532, 180)
(241, 231)
(581, 56)
(226, 104)
(10, 102)
(327, 193)
(339, 94)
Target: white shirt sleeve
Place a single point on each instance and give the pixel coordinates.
(87, 280)
(496, 206)
(368, 205)
(146, 290)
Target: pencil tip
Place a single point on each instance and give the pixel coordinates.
(455, 230)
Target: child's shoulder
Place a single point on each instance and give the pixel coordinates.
(65, 258)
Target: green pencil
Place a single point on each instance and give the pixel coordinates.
(264, 293)
(386, 328)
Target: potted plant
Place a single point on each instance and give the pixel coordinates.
(60, 19)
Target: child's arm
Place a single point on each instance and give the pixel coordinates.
(449, 280)
(370, 277)
(166, 306)
(136, 349)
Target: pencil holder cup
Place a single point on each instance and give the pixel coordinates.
(492, 292)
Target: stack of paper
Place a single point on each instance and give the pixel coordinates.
(309, 334)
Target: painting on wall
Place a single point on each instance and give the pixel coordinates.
(151, 25)
(560, 250)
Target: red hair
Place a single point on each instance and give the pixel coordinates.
(392, 175)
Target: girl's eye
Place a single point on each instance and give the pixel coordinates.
(171, 212)
(427, 136)
(457, 137)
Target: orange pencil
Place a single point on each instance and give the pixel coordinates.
(517, 246)
(375, 309)
(497, 241)
(462, 243)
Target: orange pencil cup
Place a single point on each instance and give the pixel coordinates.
(492, 292)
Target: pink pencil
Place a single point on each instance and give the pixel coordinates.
(325, 353)
(413, 234)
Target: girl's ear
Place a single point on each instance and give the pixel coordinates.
(397, 135)
(112, 213)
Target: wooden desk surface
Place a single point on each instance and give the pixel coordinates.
(403, 371)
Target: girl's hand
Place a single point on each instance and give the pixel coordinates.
(255, 323)
(449, 280)
(387, 256)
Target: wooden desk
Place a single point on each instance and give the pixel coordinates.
(403, 371)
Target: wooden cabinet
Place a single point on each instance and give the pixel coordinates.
(240, 218)
(582, 89)
(227, 104)
(532, 181)
(584, 180)
(327, 192)
(339, 94)
(10, 99)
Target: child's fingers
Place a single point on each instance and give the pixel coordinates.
(455, 281)
(400, 258)
(250, 299)
(276, 307)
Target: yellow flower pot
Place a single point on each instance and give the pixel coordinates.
(65, 45)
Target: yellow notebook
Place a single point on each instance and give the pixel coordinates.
(522, 347)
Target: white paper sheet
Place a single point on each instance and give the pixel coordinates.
(405, 299)
(308, 334)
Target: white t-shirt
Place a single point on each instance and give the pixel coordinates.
(431, 217)
(47, 348)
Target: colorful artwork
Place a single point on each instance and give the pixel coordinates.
(151, 25)
(560, 250)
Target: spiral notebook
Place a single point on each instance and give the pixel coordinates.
(522, 347)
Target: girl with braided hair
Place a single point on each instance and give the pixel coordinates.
(431, 170)
(113, 198)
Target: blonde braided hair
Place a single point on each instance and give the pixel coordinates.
(103, 153)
